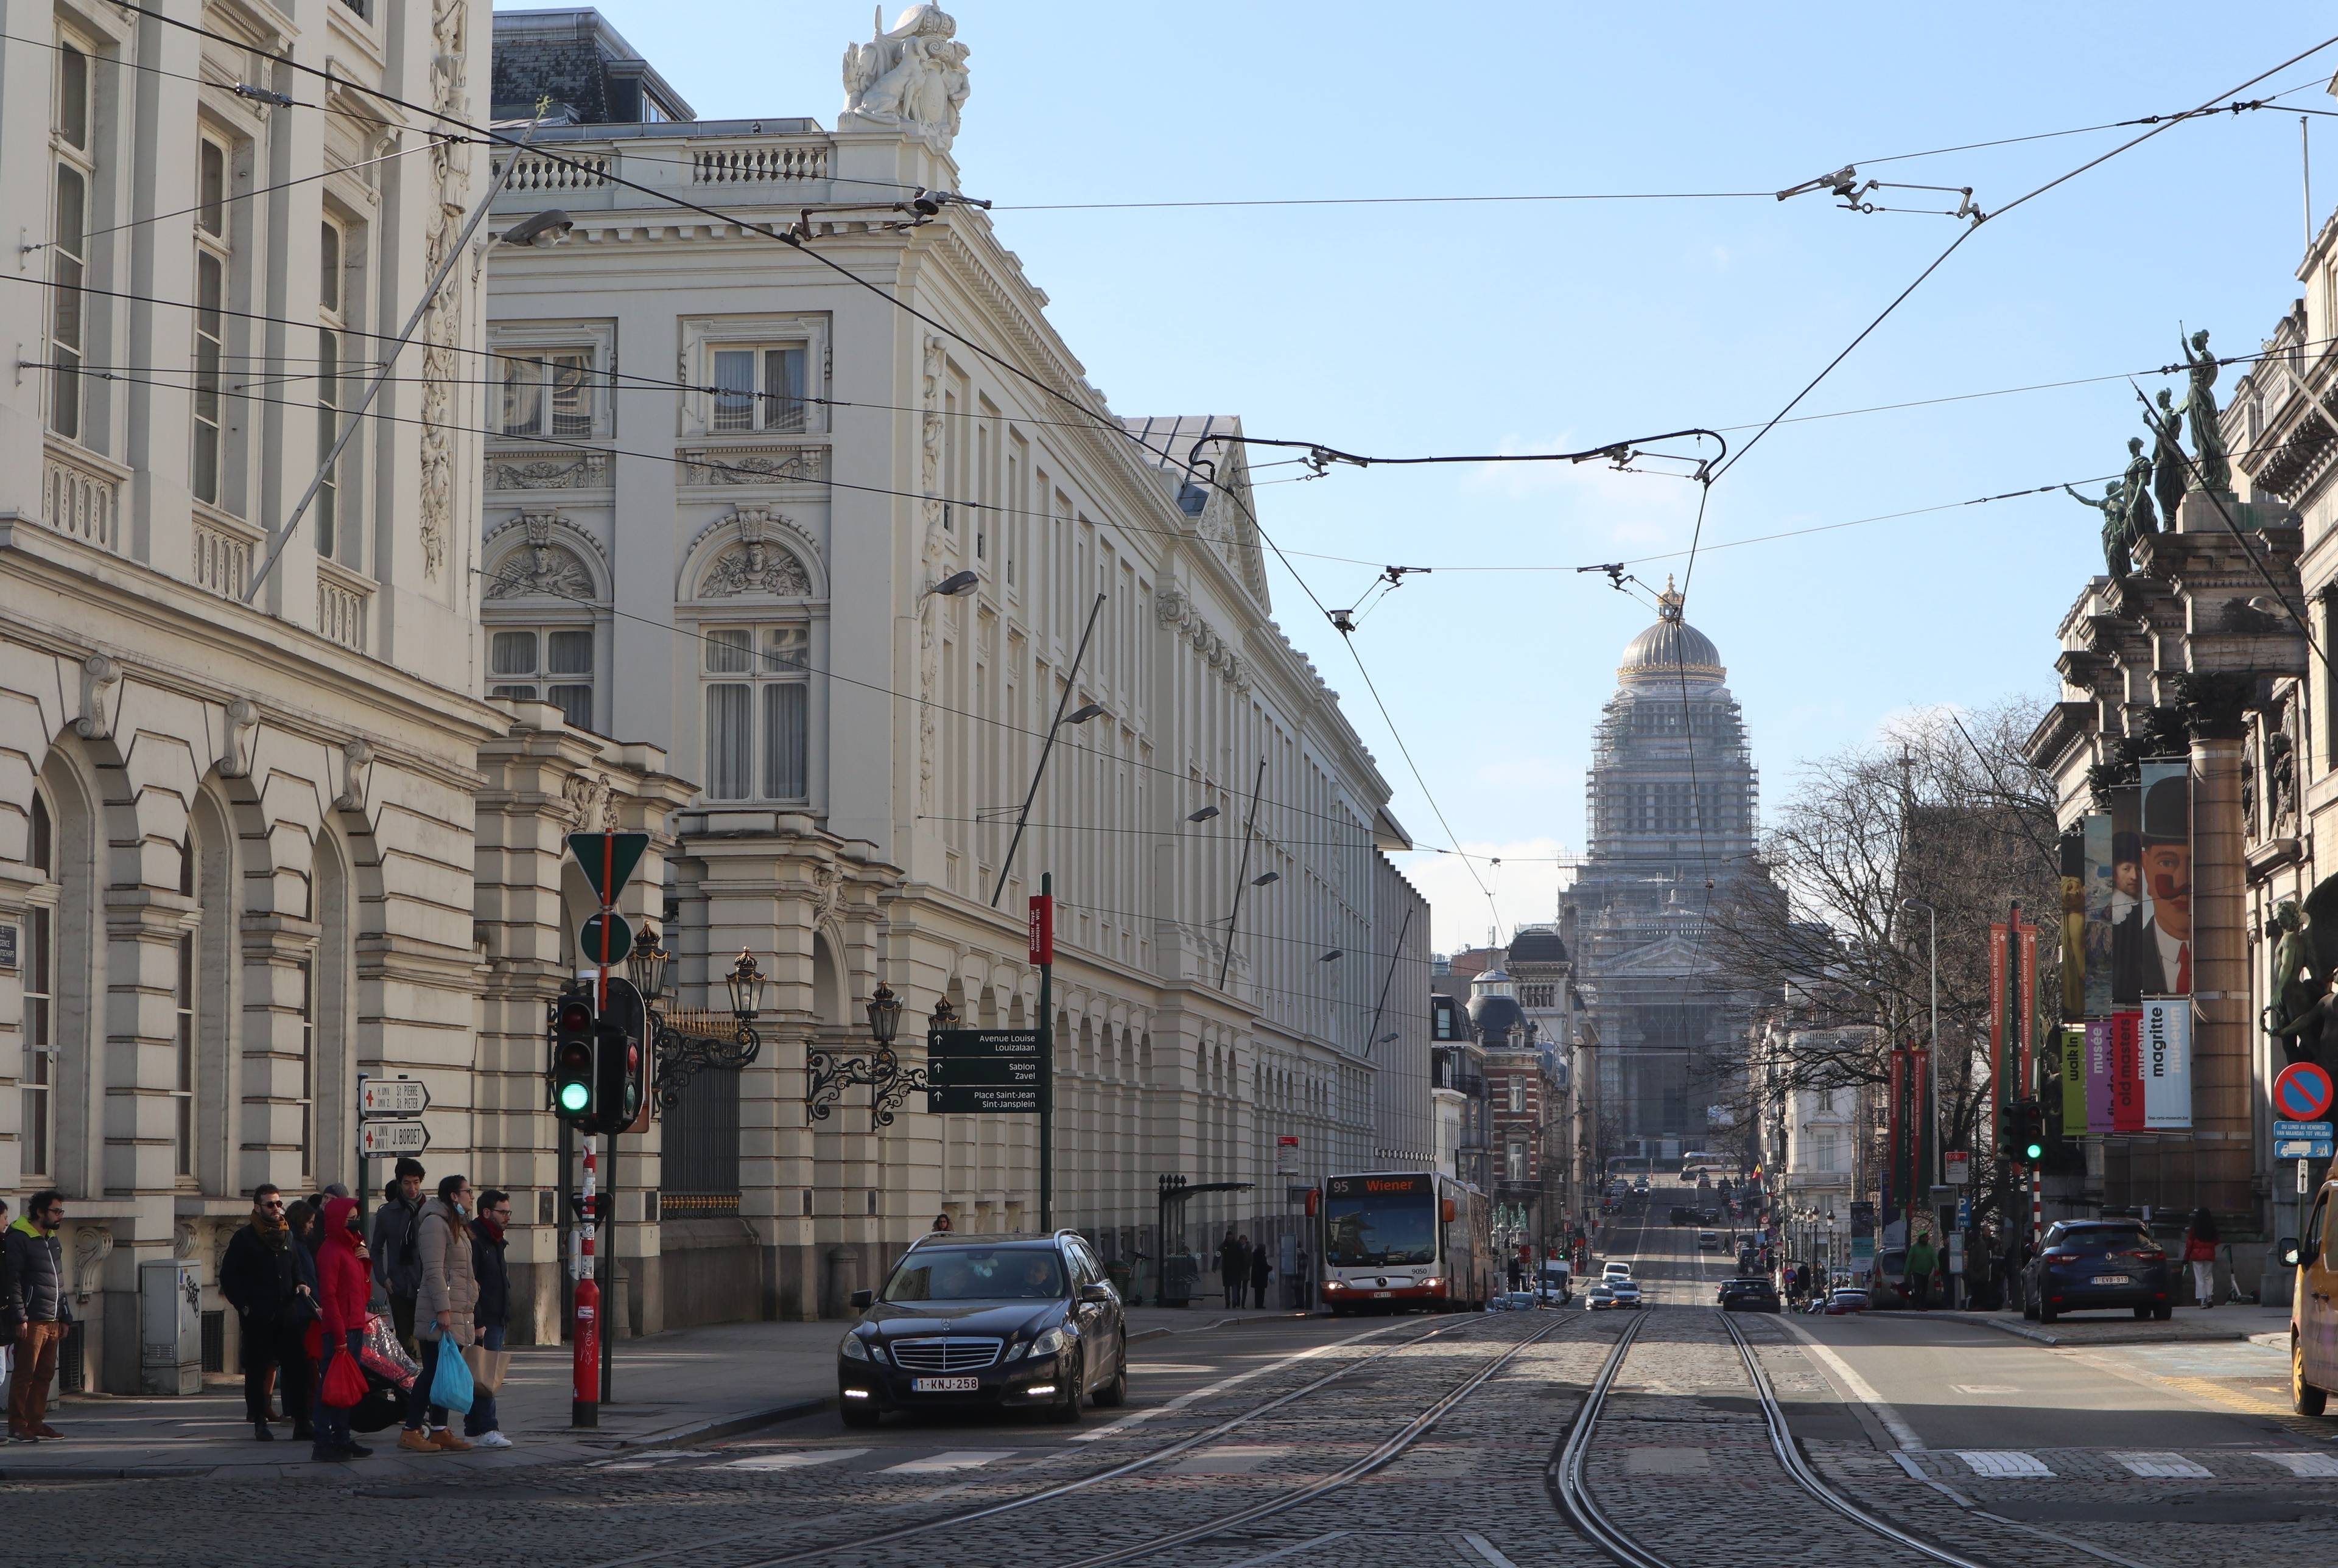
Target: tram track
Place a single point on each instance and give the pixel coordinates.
(1568, 1480)
(696, 1553)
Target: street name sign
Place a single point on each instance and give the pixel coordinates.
(380, 1140)
(393, 1099)
(984, 1071)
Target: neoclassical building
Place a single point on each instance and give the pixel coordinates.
(1671, 801)
(841, 527)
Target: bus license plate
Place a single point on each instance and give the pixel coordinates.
(1380, 1295)
(946, 1385)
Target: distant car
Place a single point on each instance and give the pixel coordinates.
(1750, 1295)
(1614, 1270)
(1683, 1215)
(2097, 1263)
(1626, 1292)
(1847, 1301)
(1555, 1283)
(1598, 1298)
(1708, 1242)
(1710, 1216)
(1641, 1185)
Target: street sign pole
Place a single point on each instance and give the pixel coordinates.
(1042, 953)
(364, 1184)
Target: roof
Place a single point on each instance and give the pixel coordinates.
(1537, 945)
(1671, 647)
(573, 57)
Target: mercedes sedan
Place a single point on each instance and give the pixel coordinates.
(1008, 1322)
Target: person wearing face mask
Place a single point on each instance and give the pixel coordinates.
(344, 1288)
(449, 1296)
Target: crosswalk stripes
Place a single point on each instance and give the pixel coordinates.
(800, 1459)
(2323, 1465)
(952, 1459)
(2163, 1467)
(2005, 1465)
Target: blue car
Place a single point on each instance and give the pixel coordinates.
(2088, 1264)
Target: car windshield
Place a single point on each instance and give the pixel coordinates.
(976, 1274)
(2099, 1238)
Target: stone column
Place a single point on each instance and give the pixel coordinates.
(2221, 1048)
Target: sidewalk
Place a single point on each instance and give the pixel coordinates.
(2190, 1324)
(691, 1386)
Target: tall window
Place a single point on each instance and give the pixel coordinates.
(183, 1077)
(211, 258)
(332, 527)
(554, 667)
(40, 961)
(548, 394)
(1517, 1096)
(68, 243)
(1513, 1163)
(759, 388)
(757, 712)
(308, 1068)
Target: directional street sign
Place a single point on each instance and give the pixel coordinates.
(379, 1140)
(588, 938)
(608, 859)
(988, 1072)
(972, 1102)
(984, 1071)
(393, 1099)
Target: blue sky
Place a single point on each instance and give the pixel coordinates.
(1546, 326)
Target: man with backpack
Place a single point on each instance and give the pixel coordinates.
(396, 1252)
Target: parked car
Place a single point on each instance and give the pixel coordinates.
(2095, 1263)
(1708, 1242)
(1846, 1301)
(1009, 1322)
(1750, 1294)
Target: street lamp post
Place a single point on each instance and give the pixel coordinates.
(826, 1073)
(1932, 1040)
(681, 1052)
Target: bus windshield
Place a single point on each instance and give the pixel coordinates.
(1380, 1229)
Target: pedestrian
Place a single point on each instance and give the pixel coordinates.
(396, 1263)
(942, 1223)
(491, 1316)
(447, 1296)
(1303, 1285)
(1921, 1261)
(1260, 1270)
(1233, 1267)
(36, 1259)
(344, 1288)
(260, 1278)
(12, 1310)
(2200, 1252)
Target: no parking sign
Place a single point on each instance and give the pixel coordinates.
(2301, 1093)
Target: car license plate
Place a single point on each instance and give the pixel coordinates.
(946, 1385)
(1379, 1294)
(2112, 1280)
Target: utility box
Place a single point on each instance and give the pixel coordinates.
(170, 1327)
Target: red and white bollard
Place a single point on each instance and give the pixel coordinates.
(585, 1331)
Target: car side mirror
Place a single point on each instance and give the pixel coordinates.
(2289, 1251)
(1098, 1294)
(862, 1299)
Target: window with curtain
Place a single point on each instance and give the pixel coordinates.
(547, 393)
(758, 691)
(68, 242)
(760, 388)
(213, 260)
(552, 665)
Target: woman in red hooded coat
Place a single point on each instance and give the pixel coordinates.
(345, 1285)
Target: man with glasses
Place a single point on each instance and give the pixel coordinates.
(493, 1316)
(36, 1259)
(260, 1278)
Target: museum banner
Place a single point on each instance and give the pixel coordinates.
(2167, 1064)
(2099, 1041)
(2101, 879)
(2162, 953)
(2127, 1071)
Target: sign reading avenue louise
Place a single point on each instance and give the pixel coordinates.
(984, 1071)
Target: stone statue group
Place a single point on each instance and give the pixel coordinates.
(2166, 474)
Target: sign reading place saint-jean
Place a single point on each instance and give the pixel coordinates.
(984, 1071)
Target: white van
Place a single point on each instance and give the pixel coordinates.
(1555, 1282)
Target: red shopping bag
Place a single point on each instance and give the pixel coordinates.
(344, 1383)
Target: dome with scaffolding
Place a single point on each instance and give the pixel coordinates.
(1671, 648)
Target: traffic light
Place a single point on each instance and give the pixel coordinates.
(617, 1078)
(2028, 1121)
(575, 1088)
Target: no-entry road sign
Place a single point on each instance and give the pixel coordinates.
(2301, 1093)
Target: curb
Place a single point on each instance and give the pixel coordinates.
(2023, 1329)
(730, 1425)
(113, 1473)
(1145, 1334)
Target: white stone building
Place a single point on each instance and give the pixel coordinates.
(731, 476)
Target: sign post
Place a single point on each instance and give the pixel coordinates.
(1043, 956)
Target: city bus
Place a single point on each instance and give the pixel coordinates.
(1397, 1241)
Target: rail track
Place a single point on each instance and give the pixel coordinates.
(1862, 1536)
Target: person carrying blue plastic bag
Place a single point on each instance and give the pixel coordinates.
(449, 1294)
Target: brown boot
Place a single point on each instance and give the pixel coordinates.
(444, 1438)
(412, 1442)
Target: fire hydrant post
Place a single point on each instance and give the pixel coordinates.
(586, 1331)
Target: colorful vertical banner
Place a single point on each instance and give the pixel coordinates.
(2163, 957)
(2101, 888)
(2128, 912)
(2166, 1063)
(2127, 1071)
(1996, 1080)
(2074, 923)
(1897, 1133)
(2026, 1000)
(2074, 1080)
(2099, 1075)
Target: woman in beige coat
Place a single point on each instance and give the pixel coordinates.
(442, 1309)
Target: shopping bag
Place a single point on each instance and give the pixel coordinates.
(450, 1385)
(345, 1382)
(488, 1367)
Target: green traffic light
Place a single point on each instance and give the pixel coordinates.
(2036, 1150)
(574, 1096)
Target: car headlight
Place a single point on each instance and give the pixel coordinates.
(854, 1348)
(1050, 1341)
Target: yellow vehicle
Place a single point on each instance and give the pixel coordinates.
(2313, 1305)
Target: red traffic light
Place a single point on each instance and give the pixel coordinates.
(575, 1017)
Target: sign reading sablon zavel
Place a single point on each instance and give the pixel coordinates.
(984, 1071)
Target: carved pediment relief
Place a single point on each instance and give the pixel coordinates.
(541, 565)
(756, 562)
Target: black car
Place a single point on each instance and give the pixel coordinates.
(1684, 1216)
(2095, 1263)
(1009, 1322)
(1754, 1295)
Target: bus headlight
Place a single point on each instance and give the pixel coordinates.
(1335, 1284)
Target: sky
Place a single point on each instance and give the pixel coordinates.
(1549, 326)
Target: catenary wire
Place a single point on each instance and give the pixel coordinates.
(1418, 848)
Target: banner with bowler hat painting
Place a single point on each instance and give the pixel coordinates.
(2163, 956)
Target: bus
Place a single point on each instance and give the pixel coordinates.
(1397, 1241)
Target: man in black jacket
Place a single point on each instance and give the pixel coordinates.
(260, 1278)
(35, 1259)
(397, 1257)
(491, 1316)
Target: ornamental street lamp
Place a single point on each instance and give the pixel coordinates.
(827, 1073)
(683, 1042)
